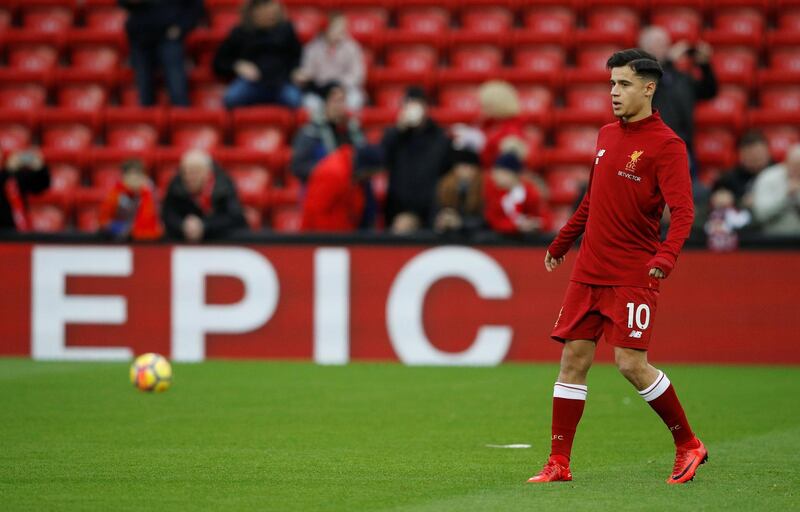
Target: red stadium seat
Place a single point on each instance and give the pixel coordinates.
(208, 95)
(478, 58)
(47, 218)
(682, 23)
(95, 50)
(87, 209)
(425, 20)
(782, 97)
(735, 65)
(307, 21)
(64, 178)
(535, 100)
(715, 147)
(32, 51)
(196, 128)
(740, 26)
(389, 96)
(135, 129)
(594, 58)
(491, 19)
(224, 19)
(543, 59)
(22, 95)
(566, 183)
(725, 110)
(261, 128)
(252, 183)
(610, 25)
(16, 129)
(82, 96)
(550, 23)
(106, 18)
(68, 129)
(47, 18)
(788, 29)
(287, 219)
(574, 145)
(785, 60)
(415, 58)
(366, 23)
(463, 98)
(780, 138)
(590, 98)
(5, 18)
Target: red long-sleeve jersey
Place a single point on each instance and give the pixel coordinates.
(639, 167)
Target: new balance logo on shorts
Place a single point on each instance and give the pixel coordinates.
(635, 334)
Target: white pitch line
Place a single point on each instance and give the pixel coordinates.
(519, 445)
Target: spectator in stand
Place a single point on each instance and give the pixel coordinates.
(260, 54)
(678, 91)
(129, 211)
(754, 157)
(327, 131)
(333, 56)
(776, 194)
(500, 112)
(201, 201)
(417, 154)
(156, 32)
(459, 195)
(513, 205)
(23, 173)
(340, 189)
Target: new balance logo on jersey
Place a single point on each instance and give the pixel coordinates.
(599, 154)
(635, 334)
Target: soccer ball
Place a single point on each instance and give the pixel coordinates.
(151, 372)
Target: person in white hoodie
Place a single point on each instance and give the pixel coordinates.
(776, 196)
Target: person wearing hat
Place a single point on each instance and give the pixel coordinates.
(417, 154)
(339, 190)
(513, 205)
(459, 194)
(328, 130)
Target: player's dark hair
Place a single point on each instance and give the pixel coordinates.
(641, 62)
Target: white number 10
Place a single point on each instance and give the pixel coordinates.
(642, 311)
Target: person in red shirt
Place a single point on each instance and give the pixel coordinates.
(640, 166)
(338, 189)
(129, 210)
(513, 205)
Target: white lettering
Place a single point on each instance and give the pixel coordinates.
(332, 306)
(192, 318)
(53, 308)
(407, 296)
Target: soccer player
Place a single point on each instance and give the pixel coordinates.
(640, 166)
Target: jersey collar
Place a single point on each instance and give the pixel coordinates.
(655, 117)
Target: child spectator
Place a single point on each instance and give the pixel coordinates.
(129, 210)
(513, 205)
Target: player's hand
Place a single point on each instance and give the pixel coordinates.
(657, 273)
(550, 263)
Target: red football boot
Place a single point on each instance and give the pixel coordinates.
(553, 471)
(686, 463)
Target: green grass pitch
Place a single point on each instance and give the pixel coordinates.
(294, 436)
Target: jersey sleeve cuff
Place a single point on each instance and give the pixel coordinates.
(662, 263)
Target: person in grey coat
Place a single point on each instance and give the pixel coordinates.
(321, 136)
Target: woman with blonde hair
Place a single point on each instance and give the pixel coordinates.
(501, 120)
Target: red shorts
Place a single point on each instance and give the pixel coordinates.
(623, 314)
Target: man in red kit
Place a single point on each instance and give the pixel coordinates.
(640, 166)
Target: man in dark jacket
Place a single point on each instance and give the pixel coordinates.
(260, 54)
(417, 155)
(201, 201)
(321, 136)
(23, 173)
(754, 157)
(677, 92)
(156, 31)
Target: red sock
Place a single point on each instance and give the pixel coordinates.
(568, 403)
(662, 398)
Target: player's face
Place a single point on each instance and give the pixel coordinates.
(630, 94)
